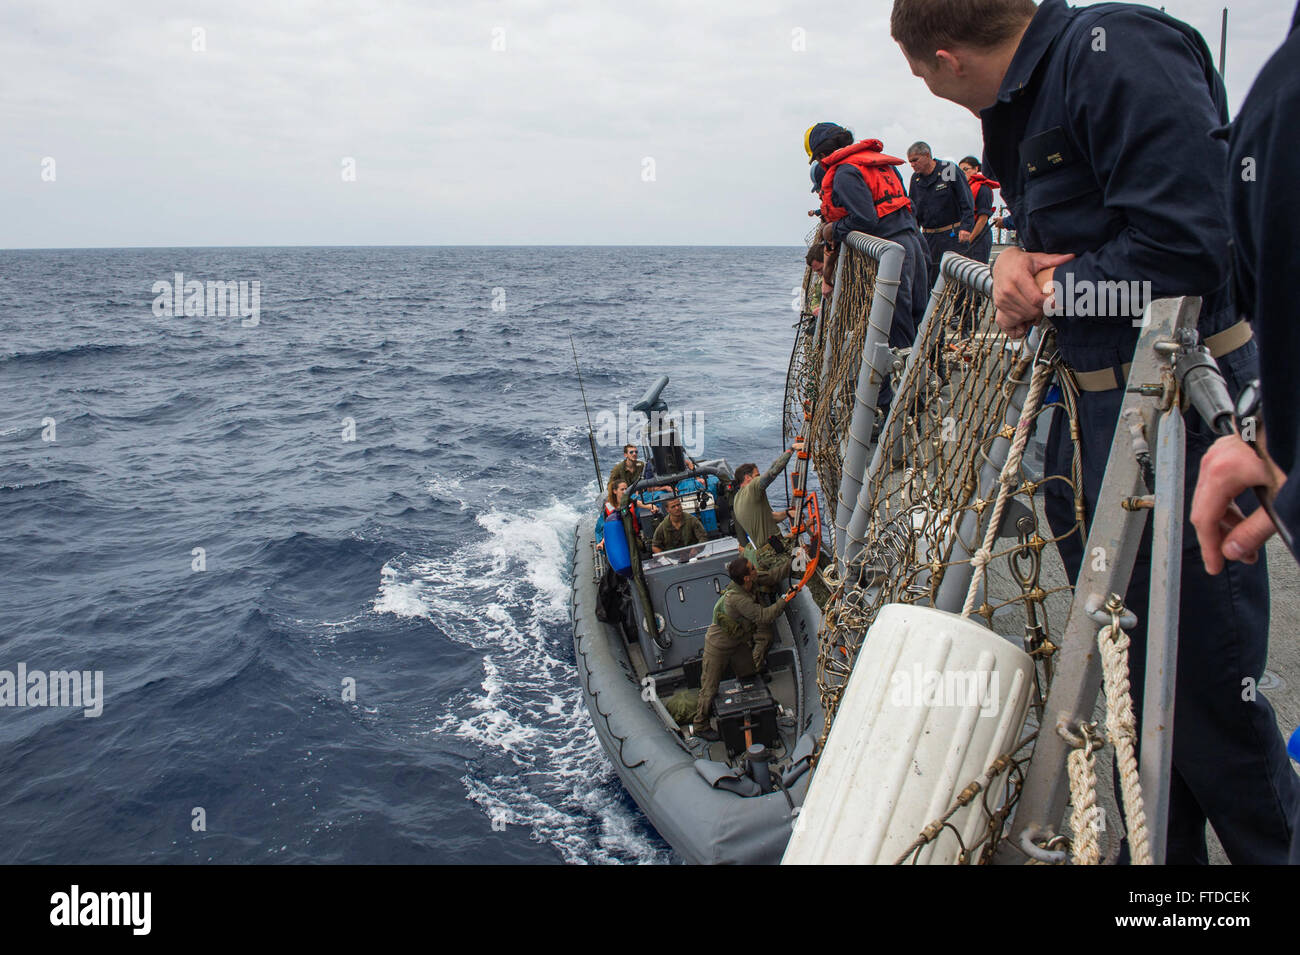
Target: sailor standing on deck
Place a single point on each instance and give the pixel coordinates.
(981, 190)
(862, 191)
(1263, 207)
(1083, 111)
(943, 205)
(739, 634)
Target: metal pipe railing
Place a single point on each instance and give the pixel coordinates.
(1115, 536)
(954, 268)
(890, 258)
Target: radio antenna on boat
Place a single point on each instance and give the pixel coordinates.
(591, 434)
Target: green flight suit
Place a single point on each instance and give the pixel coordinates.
(691, 532)
(622, 472)
(753, 512)
(739, 625)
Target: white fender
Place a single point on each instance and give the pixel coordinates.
(932, 701)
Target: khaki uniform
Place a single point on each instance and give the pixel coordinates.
(691, 532)
(753, 512)
(622, 472)
(740, 626)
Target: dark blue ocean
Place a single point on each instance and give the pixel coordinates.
(426, 561)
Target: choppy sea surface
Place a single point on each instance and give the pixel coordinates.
(374, 486)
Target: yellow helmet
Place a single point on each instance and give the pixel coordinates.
(817, 134)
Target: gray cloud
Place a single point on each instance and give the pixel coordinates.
(544, 142)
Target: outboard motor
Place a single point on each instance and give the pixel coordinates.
(665, 445)
(666, 449)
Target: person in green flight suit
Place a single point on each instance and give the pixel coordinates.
(756, 522)
(740, 634)
(678, 529)
(629, 469)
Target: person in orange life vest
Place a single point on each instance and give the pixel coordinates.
(862, 191)
(981, 189)
(616, 492)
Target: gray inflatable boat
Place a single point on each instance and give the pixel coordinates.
(731, 801)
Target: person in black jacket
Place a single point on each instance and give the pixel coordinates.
(851, 204)
(1263, 207)
(944, 208)
(1097, 124)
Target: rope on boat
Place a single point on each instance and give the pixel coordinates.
(952, 402)
(1008, 481)
(1122, 729)
(1086, 817)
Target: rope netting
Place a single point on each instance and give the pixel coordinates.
(834, 372)
(952, 404)
(925, 510)
(805, 362)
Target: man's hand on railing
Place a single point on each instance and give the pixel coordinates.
(1021, 287)
(1230, 468)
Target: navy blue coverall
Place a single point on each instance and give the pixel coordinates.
(850, 192)
(1263, 207)
(1101, 139)
(942, 199)
(982, 248)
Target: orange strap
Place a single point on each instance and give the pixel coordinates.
(813, 526)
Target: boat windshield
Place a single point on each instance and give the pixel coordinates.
(685, 555)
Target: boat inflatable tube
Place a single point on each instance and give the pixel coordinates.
(616, 549)
(933, 700)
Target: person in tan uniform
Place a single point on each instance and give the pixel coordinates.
(678, 529)
(629, 469)
(740, 633)
(756, 522)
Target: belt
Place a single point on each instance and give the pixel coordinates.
(947, 228)
(1220, 344)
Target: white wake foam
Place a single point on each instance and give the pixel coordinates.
(506, 595)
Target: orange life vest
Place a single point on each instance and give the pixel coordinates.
(979, 179)
(886, 188)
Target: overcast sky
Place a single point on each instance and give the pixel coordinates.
(543, 141)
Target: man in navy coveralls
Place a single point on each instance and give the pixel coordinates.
(1097, 123)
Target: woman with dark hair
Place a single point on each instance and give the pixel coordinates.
(616, 491)
(981, 188)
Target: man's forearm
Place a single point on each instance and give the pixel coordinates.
(774, 471)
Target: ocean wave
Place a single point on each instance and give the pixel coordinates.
(56, 355)
(506, 595)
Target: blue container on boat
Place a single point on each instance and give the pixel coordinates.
(709, 516)
(616, 550)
